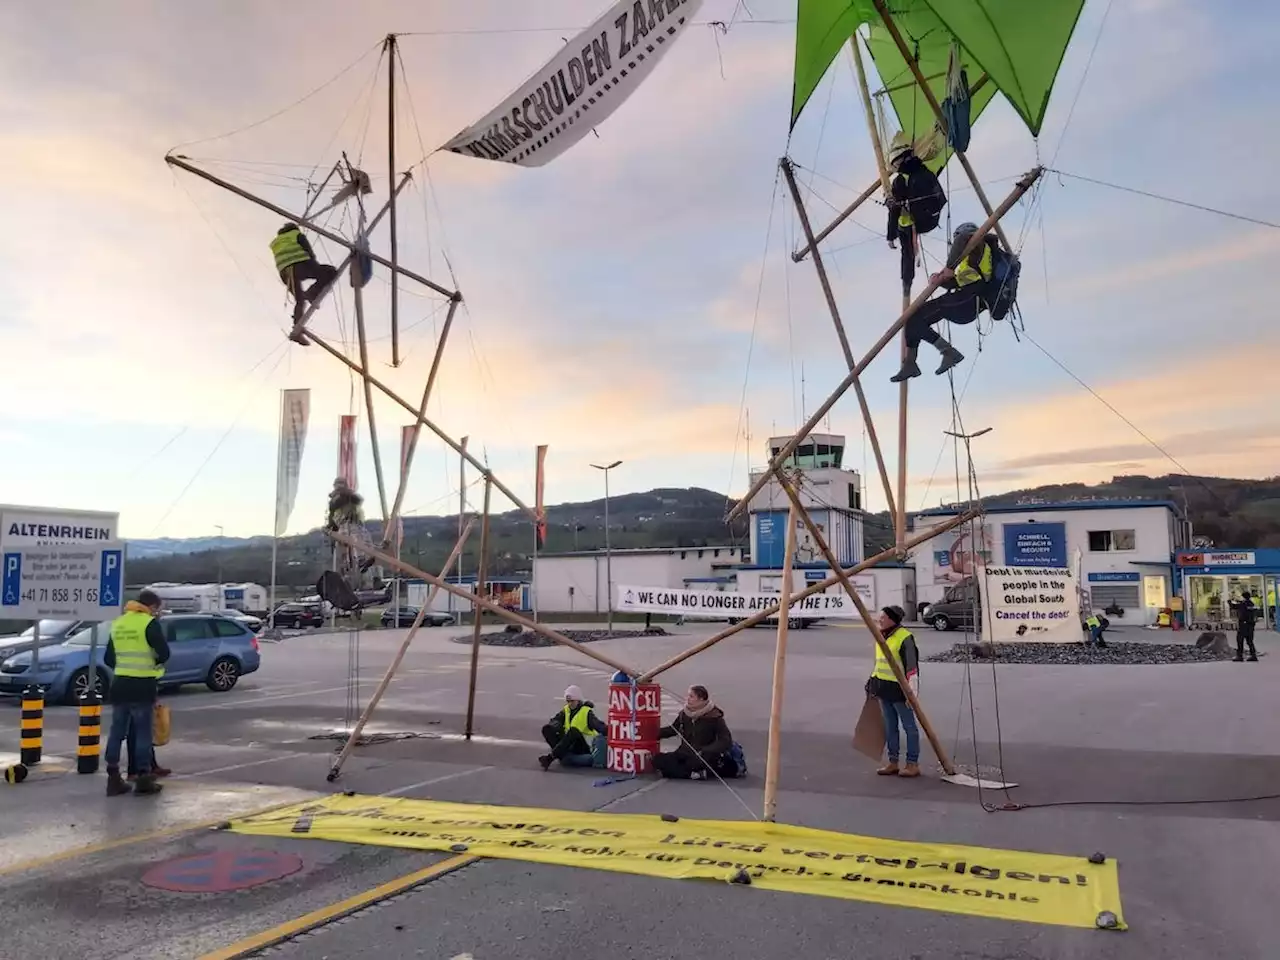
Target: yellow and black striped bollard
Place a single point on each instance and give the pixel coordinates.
(90, 747)
(32, 743)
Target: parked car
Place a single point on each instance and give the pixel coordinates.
(297, 615)
(404, 617)
(956, 608)
(371, 598)
(52, 633)
(203, 648)
(248, 619)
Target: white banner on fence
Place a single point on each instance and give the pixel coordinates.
(727, 604)
(1031, 604)
(580, 86)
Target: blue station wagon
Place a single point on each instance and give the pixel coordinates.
(203, 648)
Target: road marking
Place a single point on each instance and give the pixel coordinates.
(293, 755)
(256, 700)
(426, 783)
(629, 796)
(102, 846)
(317, 918)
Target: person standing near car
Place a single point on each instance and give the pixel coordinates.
(894, 707)
(136, 654)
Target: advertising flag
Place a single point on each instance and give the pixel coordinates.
(295, 410)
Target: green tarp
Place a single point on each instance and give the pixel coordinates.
(1018, 44)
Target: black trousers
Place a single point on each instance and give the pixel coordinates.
(959, 306)
(679, 764)
(571, 742)
(322, 274)
(1244, 633)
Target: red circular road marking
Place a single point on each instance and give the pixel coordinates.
(222, 871)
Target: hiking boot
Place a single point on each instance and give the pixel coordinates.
(1239, 658)
(1253, 658)
(546, 760)
(116, 787)
(297, 336)
(910, 770)
(910, 369)
(890, 769)
(147, 785)
(950, 357)
(160, 772)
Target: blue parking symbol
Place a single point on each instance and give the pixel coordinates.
(10, 580)
(110, 578)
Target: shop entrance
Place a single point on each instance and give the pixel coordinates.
(1209, 599)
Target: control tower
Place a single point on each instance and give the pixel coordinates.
(831, 494)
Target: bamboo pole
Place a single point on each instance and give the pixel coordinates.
(462, 509)
(358, 293)
(417, 425)
(422, 419)
(841, 217)
(488, 606)
(789, 447)
(391, 176)
(354, 738)
(763, 615)
(773, 756)
(872, 129)
(789, 172)
(923, 84)
(872, 624)
(176, 160)
(481, 573)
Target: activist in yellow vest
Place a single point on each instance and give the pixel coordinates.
(287, 250)
(894, 642)
(134, 656)
(578, 721)
(1093, 622)
(965, 274)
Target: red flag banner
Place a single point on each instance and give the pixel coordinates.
(347, 450)
(539, 490)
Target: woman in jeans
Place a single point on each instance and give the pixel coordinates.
(883, 685)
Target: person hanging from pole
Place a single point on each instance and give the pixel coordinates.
(346, 515)
(883, 685)
(969, 281)
(914, 203)
(296, 262)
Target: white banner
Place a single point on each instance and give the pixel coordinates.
(1031, 605)
(728, 604)
(295, 411)
(580, 86)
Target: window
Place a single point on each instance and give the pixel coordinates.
(824, 450)
(184, 631)
(855, 498)
(225, 628)
(804, 450)
(1107, 541)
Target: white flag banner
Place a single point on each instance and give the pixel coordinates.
(295, 410)
(729, 604)
(1031, 604)
(580, 86)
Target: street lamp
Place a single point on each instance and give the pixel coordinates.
(608, 553)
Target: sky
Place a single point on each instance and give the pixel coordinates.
(631, 300)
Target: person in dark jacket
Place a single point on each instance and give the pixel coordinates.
(575, 735)
(914, 204)
(295, 262)
(969, 281)
(884, 686)
(1246, 616)
(135, 654)
(705, 741)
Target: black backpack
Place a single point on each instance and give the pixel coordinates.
(925, 198)
(1006, 268)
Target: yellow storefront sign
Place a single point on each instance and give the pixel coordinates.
(1009, 884)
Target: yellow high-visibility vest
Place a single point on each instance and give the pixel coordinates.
(904, 215)
(894, 642)
(287, 250)
(134, 656)
(578, 721)
(1093, 622)
(965, 274)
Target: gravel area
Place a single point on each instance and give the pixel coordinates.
(1066, 653)
(527, 638)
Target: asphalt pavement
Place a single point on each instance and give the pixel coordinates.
(1114, 743)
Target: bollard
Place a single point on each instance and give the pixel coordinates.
(90, 746)
(32, 742)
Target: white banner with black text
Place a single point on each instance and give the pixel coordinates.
(729, 604)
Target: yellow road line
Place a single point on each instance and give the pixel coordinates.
(316, 918)
(163, 833)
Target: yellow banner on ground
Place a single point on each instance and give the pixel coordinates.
(1009, 884)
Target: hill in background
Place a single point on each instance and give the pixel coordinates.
(1226, 512)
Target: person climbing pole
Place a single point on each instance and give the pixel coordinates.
(969, 284)
(346, 515)
(915, 203)
(296, 262)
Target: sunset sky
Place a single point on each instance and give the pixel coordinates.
(611, 294)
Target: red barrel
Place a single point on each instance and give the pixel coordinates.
(633, 727)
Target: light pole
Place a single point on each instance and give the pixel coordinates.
(608, 552)
(218, 555)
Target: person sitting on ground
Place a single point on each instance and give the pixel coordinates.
(705, 741)
(575, 735)
(883, 685)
